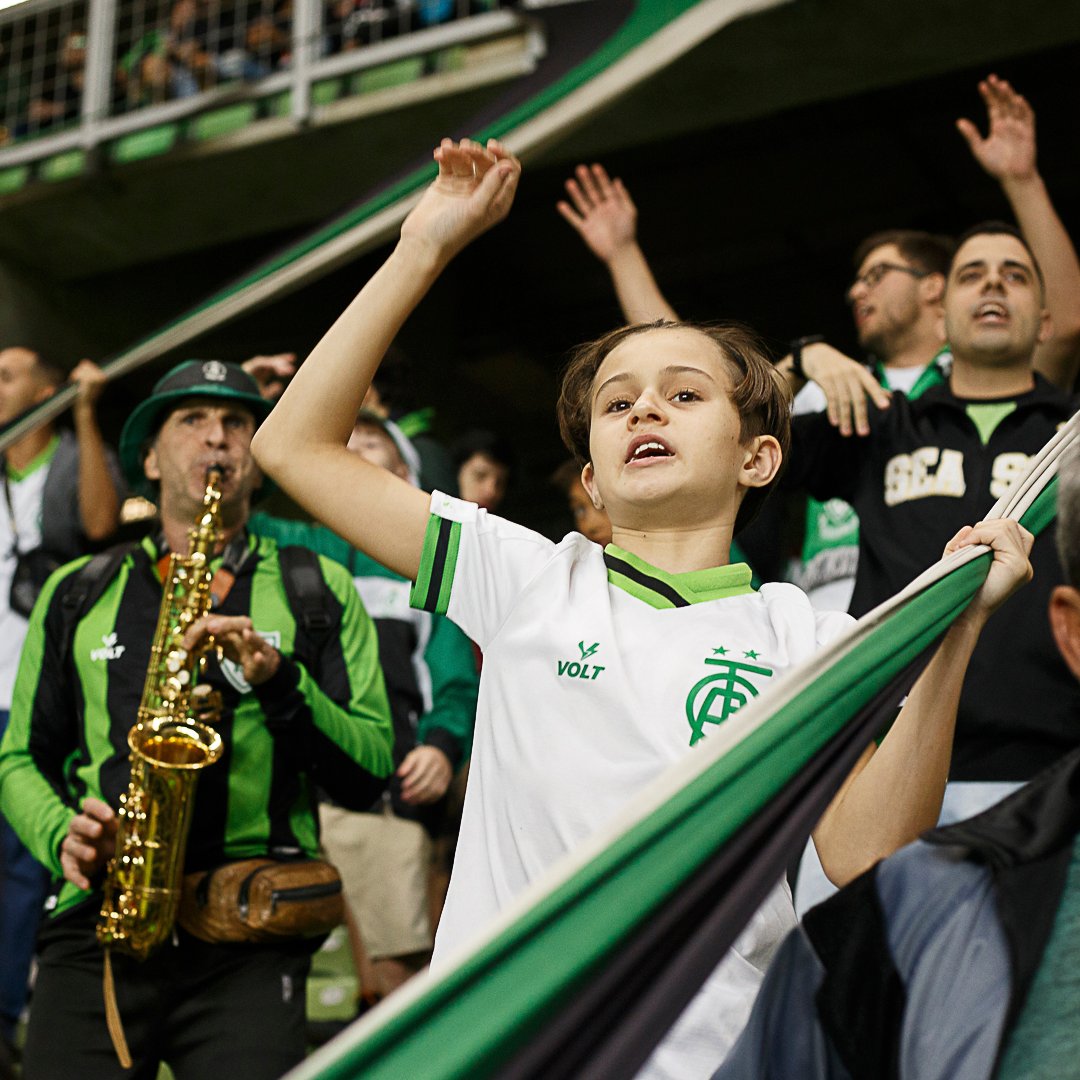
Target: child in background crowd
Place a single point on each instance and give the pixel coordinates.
(591, 522)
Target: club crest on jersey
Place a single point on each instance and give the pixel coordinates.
(579, 669)
(234, 673)
(723, 691)
(109, 649)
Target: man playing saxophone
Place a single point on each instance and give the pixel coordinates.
(302, 705)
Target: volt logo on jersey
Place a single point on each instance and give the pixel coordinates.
(109, 649)
(579, 669)
(724, 691)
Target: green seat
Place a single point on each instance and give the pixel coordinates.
(63, 166)
(12, 179)
(278, 104)
(387, 75)
(322, 93)
(148, 143)
(454, 58)
(219, 122)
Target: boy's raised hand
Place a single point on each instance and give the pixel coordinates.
(473, 192)
(1011, 544)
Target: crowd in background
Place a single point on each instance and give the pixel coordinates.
(185, 47)
(64, 491)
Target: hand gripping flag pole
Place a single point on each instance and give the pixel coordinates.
(587, 970)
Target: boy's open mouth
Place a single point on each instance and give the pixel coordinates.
(648, 446)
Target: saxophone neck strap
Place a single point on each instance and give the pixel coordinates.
(113, 1020)
(233, 559)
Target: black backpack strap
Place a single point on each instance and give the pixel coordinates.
(313, 605)
(85, 588)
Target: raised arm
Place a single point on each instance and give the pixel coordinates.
(1007, 153)
(99, 501)
(894, 793)
(302, 444)
(605, 217)
(271, 372)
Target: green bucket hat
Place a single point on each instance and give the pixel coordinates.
(192, 378)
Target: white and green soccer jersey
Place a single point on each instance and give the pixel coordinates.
(599, 671)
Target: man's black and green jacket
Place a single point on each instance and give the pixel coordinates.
(321, 721)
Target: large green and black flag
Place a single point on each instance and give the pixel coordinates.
(589, 969)
(609, 47)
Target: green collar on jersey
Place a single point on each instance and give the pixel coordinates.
(17, 476)
(660, 589)
(935, 373)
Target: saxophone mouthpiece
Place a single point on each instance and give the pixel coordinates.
(213, 474)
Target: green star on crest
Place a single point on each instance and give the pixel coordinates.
(751, 655)
(720, 652)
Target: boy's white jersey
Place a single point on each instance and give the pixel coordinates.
(599, 672)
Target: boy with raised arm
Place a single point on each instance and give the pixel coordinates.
(595, 658)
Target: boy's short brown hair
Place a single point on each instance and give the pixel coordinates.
(760, 394)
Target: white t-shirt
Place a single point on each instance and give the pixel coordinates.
(26, 500)
(599, 671)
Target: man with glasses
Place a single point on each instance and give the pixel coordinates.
(896, 304)
(895, 300)
(920, 466)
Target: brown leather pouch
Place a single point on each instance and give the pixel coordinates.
(262, 900)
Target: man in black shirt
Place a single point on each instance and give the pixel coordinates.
(928, 466)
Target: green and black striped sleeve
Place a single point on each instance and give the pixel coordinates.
(431, 590)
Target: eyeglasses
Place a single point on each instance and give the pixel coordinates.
(879, 270)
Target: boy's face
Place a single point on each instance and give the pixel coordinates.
(664, 440)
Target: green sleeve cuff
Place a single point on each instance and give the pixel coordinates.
(438, 560)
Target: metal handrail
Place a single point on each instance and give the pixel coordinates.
(96, 127)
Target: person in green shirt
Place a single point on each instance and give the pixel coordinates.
(303, 707)
(432, 683)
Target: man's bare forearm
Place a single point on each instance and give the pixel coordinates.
(639, 295)
(1059, 358)
(99, 503)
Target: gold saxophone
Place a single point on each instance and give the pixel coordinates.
(171, 741)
